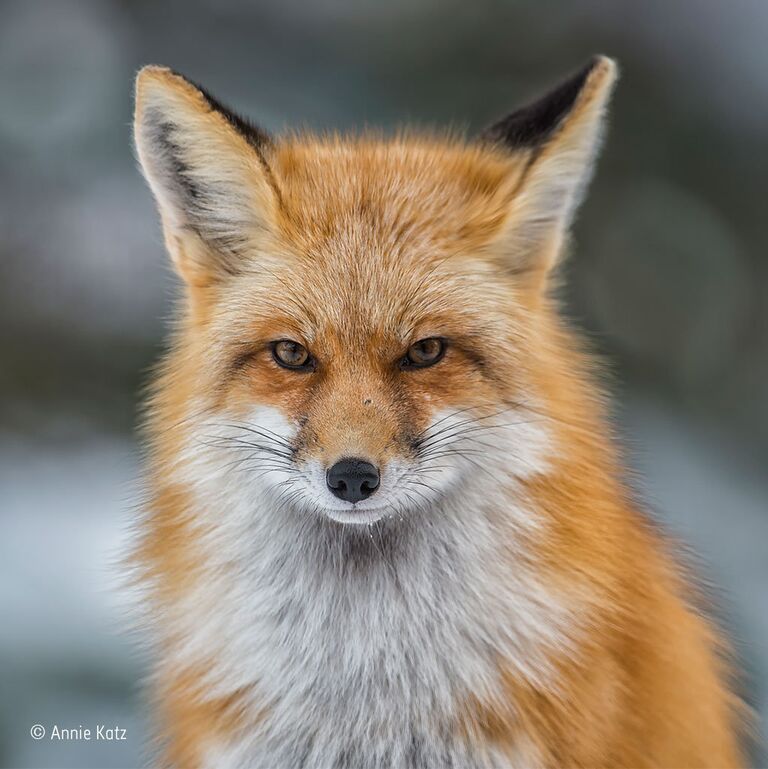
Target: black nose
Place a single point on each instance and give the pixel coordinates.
(352, 479)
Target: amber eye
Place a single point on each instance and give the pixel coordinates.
(290, 354)
(425, 352)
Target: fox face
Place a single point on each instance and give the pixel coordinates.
(379, 359)
(366, 319)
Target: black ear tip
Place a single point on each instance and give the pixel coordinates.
(256, 136)
(532, 124)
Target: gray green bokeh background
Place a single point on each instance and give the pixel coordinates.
(668, 275)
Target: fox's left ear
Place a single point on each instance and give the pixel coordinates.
(555, 141)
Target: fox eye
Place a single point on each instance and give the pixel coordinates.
(290, 354)
(425, 352)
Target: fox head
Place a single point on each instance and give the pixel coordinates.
(367, 327)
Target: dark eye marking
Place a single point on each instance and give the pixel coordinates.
(424, 353)
(292, 355)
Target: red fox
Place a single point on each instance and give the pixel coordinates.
(387, 523)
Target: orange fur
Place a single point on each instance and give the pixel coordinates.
(647, 684)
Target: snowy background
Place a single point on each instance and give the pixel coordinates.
(669, 277)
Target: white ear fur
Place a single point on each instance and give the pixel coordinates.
(207, 169)
(560, 135)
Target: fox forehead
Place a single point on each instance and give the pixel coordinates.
(379, 239)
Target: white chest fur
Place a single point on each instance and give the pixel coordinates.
(364, 650)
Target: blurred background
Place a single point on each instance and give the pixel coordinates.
(669, 276)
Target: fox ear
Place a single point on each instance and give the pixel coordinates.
(208, 171)
(556, 140)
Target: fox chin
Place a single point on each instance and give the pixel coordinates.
(387, 525)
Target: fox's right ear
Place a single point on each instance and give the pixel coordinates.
(208, 170)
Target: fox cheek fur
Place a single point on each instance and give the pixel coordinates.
(387, 525)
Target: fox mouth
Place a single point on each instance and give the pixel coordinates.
(356, 515)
